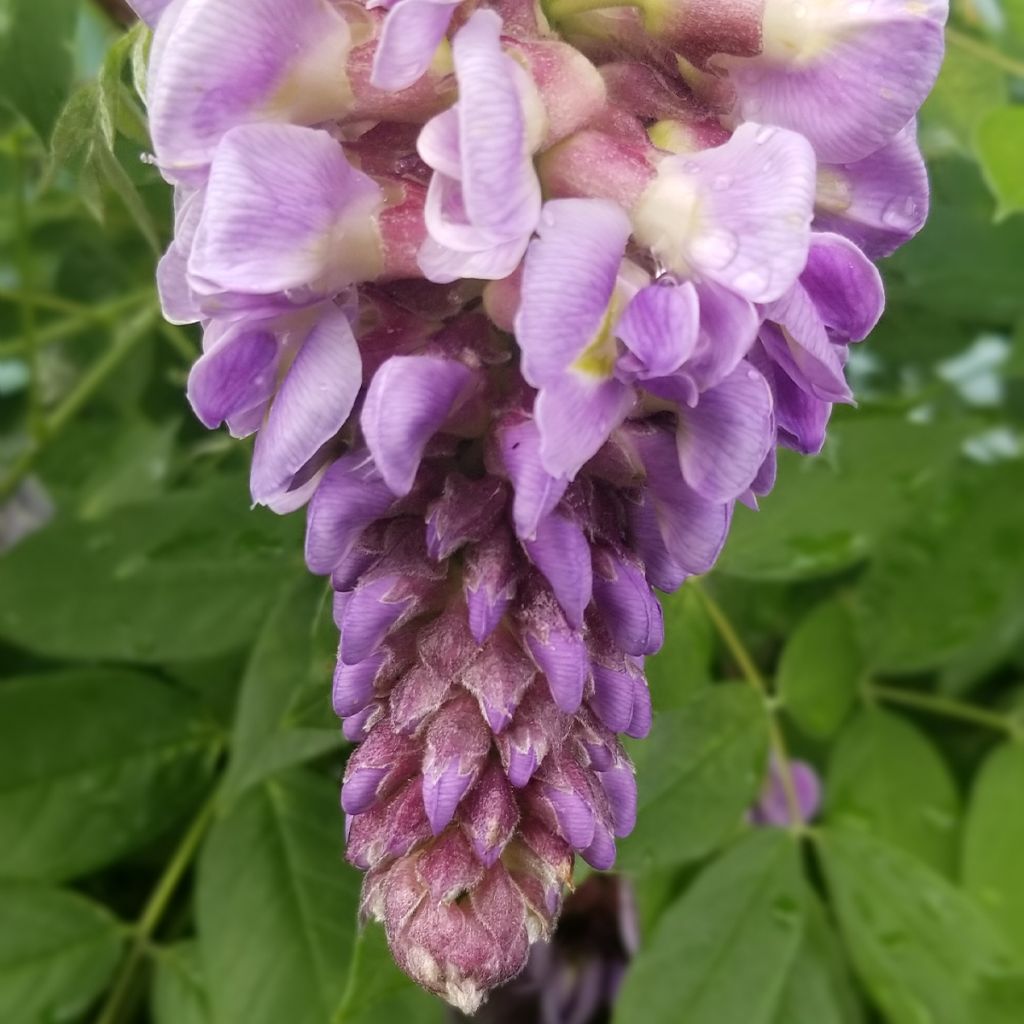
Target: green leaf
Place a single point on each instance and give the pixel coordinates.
(828, 512)
(58, 951)
(276, 906)
(994, 840)
(285, 671)
(921, 947)
(93, 763)
(1000, 142)
(84, 143)
(35, 58)
(819, 989)
(135, 468)
(820, 669)
(186, 576)
(179, 991)
(938, 587)
(722, 951)
(697, 773)
(886, 778)
(967, 89)
(960, 265)
(378, 991)
(683, 665)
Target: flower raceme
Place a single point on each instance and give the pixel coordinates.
(520, 301)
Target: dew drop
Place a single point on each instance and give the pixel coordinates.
(715, 249)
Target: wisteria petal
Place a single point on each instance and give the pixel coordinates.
(351, 495)
(568, 281)
(275, 229)
(660, 328)
(845, 287)
(502, 193)
(537, 492)
(411, 35)
(561, 552)
(311, 405)
(798, 341)
(575, 415)
(847, 76)
(236, 374)
(724, 440)
(879, 202)
(408, 400)
(738, 214)
(218, 64)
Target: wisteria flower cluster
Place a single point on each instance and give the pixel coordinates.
(520, 300)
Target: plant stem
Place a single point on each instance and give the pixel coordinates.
(983, 51)
(94, 378)
(753, 675)
(79, 316)
(556, 10)
(946, 707)
(154, 910)
(26, 310)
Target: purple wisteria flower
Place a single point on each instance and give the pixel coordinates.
(520, 306)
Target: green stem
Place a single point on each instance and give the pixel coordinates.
(557, 10)
(42, 300)
(26, 310)
(753, 675)
(178, 340)
(983, 51)
(946, 707)
(94, 378)
(154, 910)
(80, 317)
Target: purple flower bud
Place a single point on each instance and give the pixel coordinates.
(773, 805)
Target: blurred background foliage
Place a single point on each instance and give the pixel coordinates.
(170, 840)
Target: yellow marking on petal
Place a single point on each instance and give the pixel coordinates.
(673, 137)
(833, 194)
(598, 358)
(442, 63)
(316, 87)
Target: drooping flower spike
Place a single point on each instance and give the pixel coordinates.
(520, 305)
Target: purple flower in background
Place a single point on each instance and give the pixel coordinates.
(512, 419)
(772, 807)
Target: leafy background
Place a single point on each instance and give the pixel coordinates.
(169, 832)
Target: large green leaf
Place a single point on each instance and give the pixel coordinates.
(57, 953)
(722, 951)
(924, 950)
(820, 669)
(886, 778)
(994, 841)
(698, 771)
(828, 512)
(179, 989)
(287, 670)
(276, 905)
(683, 665)
(35, 58)
(941, 585)
(819, 989)
(1000, 142)
(185, 576)
(94, 762)
(961, 266)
